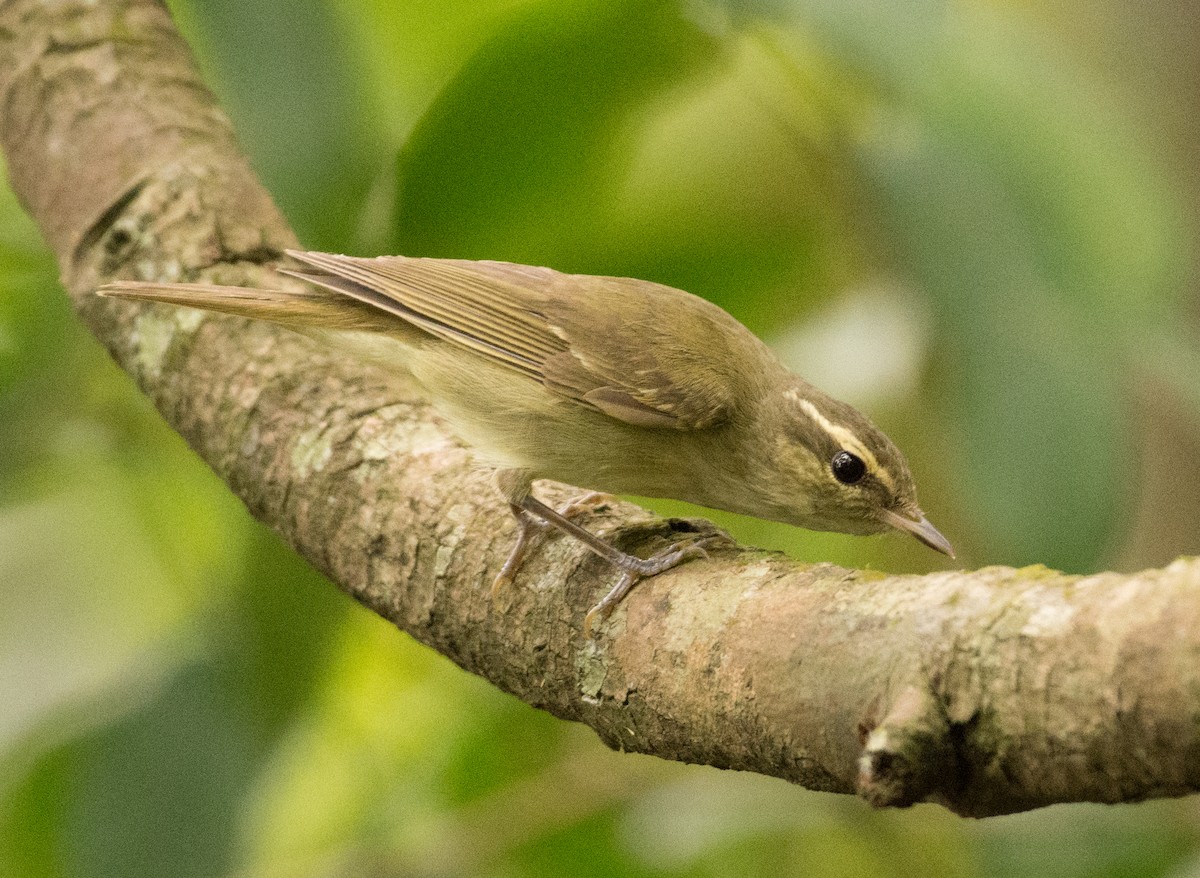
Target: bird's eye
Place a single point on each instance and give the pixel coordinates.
(848, 468)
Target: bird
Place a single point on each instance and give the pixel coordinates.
(615, 385)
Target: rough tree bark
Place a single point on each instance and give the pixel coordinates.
(990, 691)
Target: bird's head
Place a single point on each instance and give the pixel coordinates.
(848, 476)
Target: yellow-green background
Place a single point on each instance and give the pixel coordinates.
(976, 220)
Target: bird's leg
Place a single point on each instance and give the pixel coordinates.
(632, 567)
(664, 560)
(528, 525)
(534, 516)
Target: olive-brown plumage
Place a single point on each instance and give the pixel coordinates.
(613, 384)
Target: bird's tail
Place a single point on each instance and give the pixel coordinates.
(314, 309)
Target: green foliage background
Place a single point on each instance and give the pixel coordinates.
(975, 219)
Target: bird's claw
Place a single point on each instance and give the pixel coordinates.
(589, 502)
(639, 569)
(529, 526)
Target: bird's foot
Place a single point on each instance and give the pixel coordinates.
(636, 569)
(528, 526)
(589, 502)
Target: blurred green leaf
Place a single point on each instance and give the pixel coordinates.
(1035, 398)
(161, 759)
(151, 795)
(478, 766)
(279, 634)
(33, 819)
(586, 849)
(407, 58)
(287, 77)
(1088, 841)
(532, 131)
(735, 189)
(38, 338)
(75, 616)
(366, 759)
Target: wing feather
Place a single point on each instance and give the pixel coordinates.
(454, 296)
(637, 351)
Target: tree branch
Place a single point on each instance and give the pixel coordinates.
(989, 691)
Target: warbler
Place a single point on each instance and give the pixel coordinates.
(617, 385)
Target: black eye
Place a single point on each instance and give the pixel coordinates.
(848, 468)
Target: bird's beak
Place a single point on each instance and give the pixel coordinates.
(921, 529)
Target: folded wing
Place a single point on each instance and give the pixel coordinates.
(641, 352)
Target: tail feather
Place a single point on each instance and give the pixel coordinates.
(296, 310)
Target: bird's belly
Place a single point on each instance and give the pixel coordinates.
(574, 445)
(514, 421)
